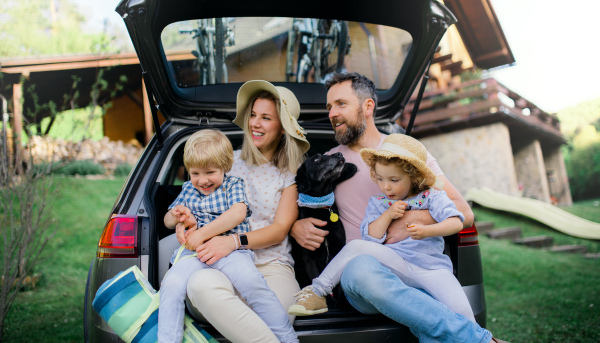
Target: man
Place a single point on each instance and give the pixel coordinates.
(369, 286)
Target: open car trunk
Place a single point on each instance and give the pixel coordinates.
(345, 321)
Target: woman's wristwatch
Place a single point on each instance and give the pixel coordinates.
(243, 241)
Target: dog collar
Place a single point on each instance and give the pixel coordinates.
(319, 202)
(315, 202)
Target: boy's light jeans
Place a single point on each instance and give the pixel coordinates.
(240, 269)
(216, 301)
(372, 288)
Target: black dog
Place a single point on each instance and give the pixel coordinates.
(316, 179)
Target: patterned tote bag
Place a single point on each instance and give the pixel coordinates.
(129, 305)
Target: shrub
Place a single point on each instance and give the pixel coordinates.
(122, 169)
(85, 167)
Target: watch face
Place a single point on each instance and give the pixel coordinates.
(243, 240)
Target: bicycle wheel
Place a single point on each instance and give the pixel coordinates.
(332, 47)
(220, 53)
(295, 53)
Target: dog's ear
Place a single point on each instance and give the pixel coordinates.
(347, 172)
(302, 180)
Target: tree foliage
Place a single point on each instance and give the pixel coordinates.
(45, 27)
(581, 126)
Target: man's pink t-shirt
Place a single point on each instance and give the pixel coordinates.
(352, 195)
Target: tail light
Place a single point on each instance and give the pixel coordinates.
(119, 238)
(468, 237)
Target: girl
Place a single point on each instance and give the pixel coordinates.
(399, 169)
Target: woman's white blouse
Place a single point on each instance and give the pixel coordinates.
(264, 185)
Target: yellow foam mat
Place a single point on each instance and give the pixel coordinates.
(538, 210)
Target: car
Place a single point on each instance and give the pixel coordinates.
(195, 55)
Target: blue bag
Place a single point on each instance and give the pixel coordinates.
(129, 305)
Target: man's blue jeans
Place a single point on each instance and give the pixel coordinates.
(372, 288)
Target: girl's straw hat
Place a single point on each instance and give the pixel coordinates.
(288, 104)
(406, 148)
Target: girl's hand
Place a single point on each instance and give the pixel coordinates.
(396, 210)
(215, 249)
(417, 231)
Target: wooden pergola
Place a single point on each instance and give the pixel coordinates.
(55, 79)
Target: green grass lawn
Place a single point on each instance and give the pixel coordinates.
(532, 295)
(53, 312)
(540, 296)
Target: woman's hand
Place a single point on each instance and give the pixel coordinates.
(215, 249)
(193, 239)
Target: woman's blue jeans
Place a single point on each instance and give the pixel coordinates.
(372, 288)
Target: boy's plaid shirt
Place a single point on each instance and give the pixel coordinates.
(207, 208)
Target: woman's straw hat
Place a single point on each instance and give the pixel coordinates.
(406, 148)
(288, 104)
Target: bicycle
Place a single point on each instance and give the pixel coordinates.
(320, 45)
(212, 37)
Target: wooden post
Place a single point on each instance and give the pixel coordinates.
(147, 116)
(17, 124)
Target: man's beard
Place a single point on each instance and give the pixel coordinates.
(352, 132)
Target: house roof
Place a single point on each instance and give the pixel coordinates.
(481, 33)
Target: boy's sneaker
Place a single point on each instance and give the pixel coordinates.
(308, 303)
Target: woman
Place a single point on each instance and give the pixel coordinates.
(273, 149)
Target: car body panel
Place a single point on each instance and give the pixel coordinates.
(425, 20)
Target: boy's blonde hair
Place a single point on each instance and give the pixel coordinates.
(287, 157)
(417, 179)
(206, 148)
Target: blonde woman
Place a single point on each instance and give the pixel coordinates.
(273, 149)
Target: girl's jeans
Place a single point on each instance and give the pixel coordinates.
(240, 269)
(372, 288)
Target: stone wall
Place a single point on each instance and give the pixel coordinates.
(558, 180)
(105, 152)
(531, 172)
(476, 157)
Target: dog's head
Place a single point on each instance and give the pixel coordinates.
(319, 174)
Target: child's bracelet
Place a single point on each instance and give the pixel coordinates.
(237, 246)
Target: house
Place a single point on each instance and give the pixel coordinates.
(481, 132)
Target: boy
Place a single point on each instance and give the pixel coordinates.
(210, 204)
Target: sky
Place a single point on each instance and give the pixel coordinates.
(555, 45)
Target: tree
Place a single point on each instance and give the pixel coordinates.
(26, 195)
(581, 125)
(47, 27)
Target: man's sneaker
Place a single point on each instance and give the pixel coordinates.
(308, 303)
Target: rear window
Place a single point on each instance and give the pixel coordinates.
(304, 50)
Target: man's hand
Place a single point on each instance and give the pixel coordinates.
(397, 232)
(307, 234)
(396, 210)
(417, 231)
